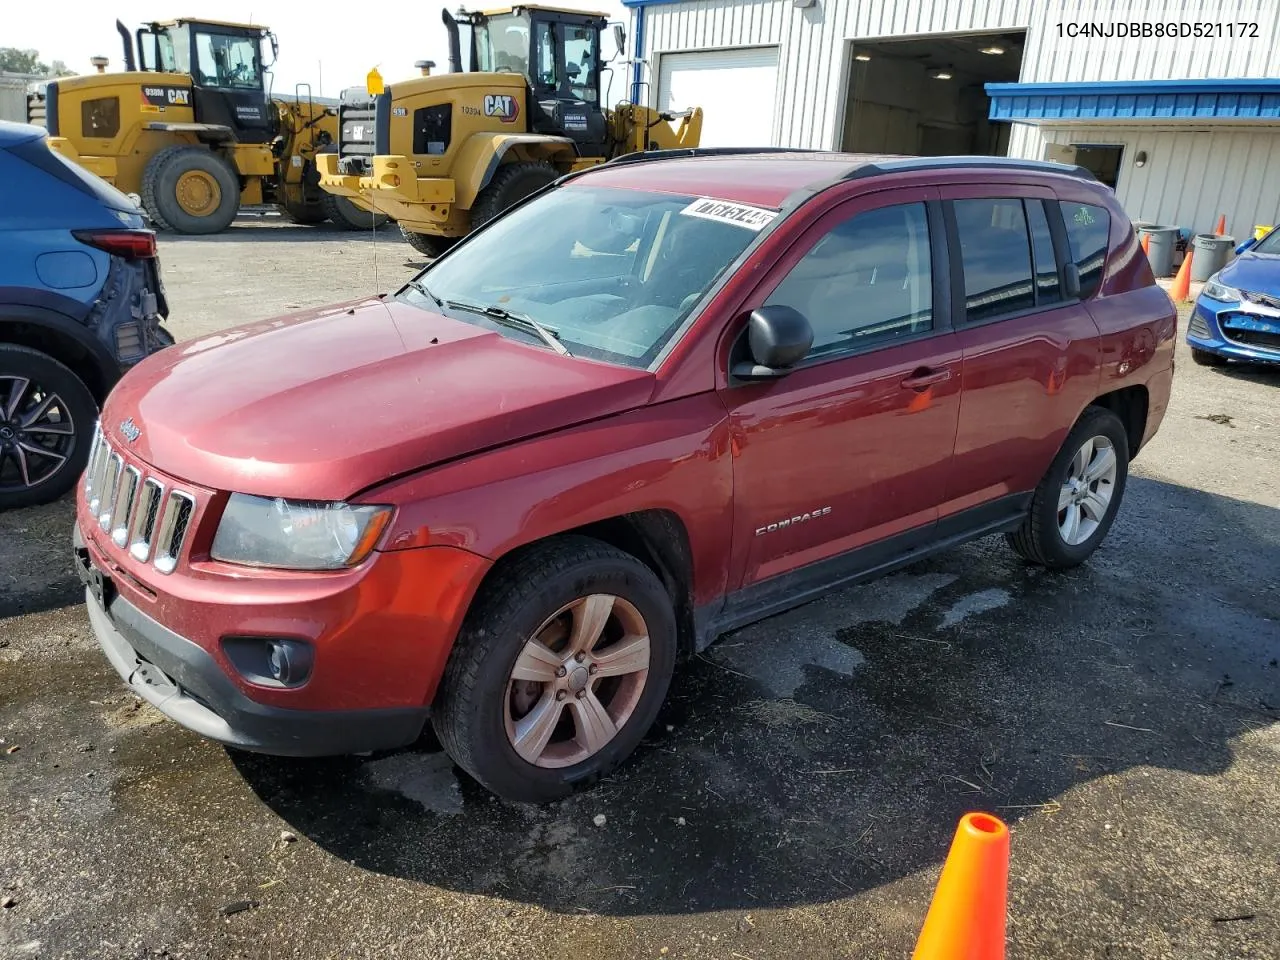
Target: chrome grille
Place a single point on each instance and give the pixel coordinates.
(1265, 299)
(138, 511)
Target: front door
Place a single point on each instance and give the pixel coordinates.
(853, 446)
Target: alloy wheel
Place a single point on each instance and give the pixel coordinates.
(1087, 491)
(577, 681)
(37, 433)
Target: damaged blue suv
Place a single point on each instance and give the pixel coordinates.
(80, 302)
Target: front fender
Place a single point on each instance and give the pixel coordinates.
(479, 158)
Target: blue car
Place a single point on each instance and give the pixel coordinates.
(80, 302)
(1237, 315)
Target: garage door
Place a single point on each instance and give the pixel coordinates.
(734, 88)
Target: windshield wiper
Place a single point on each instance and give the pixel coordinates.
(421, 287)
(518, 321)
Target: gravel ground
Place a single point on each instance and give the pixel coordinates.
(799, 791)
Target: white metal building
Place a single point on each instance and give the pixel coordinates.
(1184, 127)
(13, 95)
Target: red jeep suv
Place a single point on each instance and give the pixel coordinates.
(656, 401)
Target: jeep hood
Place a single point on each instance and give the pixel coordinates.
(324, 404)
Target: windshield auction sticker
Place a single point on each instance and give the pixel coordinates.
(739, 214)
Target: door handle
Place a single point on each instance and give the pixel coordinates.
(925, 377)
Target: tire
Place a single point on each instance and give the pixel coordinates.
(479, 698)
(160, 185)
(45, 479)
(1041, 538)
(1206, 359)
(348, 216)
(511, 184)
(307, 214)
(428, 244)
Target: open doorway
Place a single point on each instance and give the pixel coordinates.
(925, 96)
(1103, 160)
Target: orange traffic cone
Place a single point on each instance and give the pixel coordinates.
(1146, 244)
(967, 916)
(1181, 289)
(1221, 229)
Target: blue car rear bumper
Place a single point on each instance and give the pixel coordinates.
(1229, 329)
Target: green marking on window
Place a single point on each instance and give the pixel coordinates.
(1083, 216)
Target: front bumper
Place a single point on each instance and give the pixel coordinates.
(181, 680)
(1209, 330)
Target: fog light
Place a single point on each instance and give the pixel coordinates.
(271, 661)
(278, 661)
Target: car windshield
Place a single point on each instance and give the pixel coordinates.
(1269, 244)
(612, 274)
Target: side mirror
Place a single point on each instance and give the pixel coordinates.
(1071, 280)
(1247, 245)
(620, 38)
(778, 337)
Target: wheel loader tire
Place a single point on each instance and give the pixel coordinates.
(308, 214)
(511, 184)
(190, 190)
(348, 216)
(428, 244)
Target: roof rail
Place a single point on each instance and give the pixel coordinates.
(905, 164)
(646, 155)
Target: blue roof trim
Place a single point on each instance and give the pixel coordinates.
(1173, 100)
(647, 3)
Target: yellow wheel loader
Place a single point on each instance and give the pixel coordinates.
(191, 130)
(443, 154)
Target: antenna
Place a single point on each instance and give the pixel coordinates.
(373, 83)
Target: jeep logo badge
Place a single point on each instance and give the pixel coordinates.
(129, 430)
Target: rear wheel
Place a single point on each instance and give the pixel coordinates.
(190, 190)
(1077, 500)
(428, 244)
(46, 425)
(560, 669)
(305, 213)
(348, 216)
(1207, 359)
(511, 184)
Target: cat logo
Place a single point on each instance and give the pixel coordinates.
(505, 108)
(166, 96)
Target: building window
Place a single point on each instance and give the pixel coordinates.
(869, 280)
(996, 257)
(1087, 229)
(101, 117)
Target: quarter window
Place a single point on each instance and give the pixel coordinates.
(1087, 229)
(996, 257)
(867, 281)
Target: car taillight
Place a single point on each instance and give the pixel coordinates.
(130, 244)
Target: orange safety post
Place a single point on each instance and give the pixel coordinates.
(1146, 244)
(1221, 229)
(1181, 291)
(967, 916)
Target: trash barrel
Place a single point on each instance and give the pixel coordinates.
(1211, 256)
(1160, 250)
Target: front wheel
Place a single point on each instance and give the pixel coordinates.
(46, 423)
(345, 214)
(430, 245)
(1076, 502)
(559, 671)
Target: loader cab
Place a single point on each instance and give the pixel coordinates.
(227, 68)
(558, 52)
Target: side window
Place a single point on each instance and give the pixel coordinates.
(996, 257)
(1048, 285)
(545, 51)
(100, 117)
(867, 281)
(580, 60)
(1087, 230)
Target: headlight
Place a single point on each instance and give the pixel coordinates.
(1220, 291)
(297, 534)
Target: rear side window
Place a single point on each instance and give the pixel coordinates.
(100, 117)
(869, 280)
(1088, 227)
(1048, 286)
(996, 256)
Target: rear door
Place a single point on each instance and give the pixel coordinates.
(853, 447)
(1030, 351)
